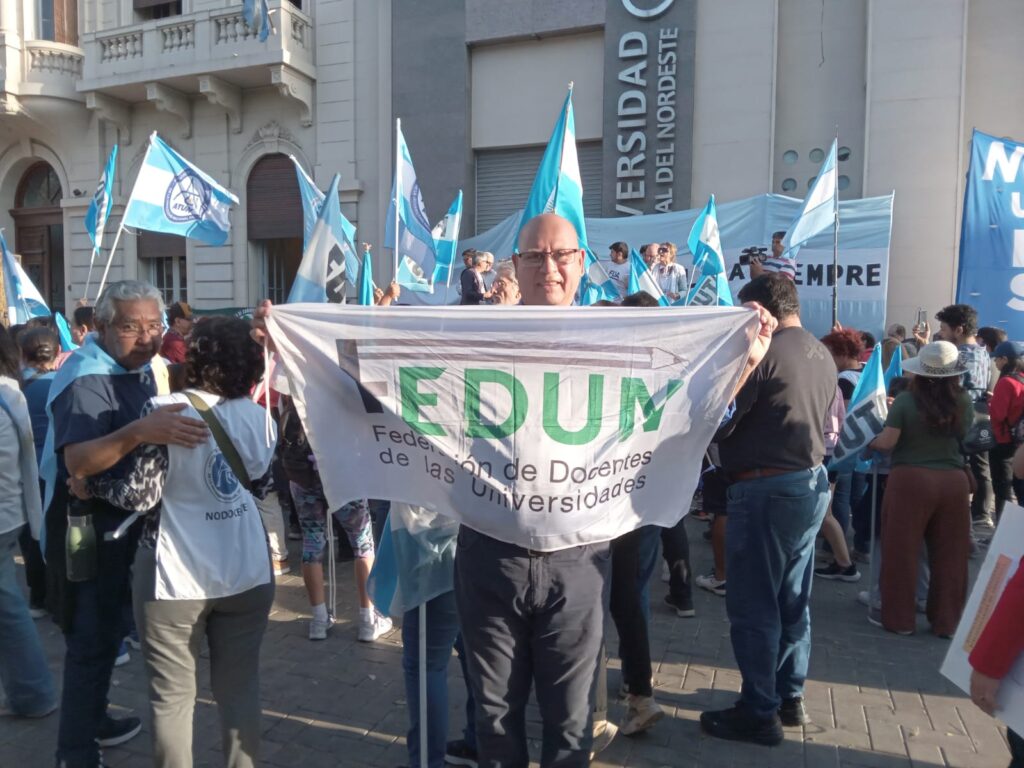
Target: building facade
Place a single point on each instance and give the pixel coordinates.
(674, 100)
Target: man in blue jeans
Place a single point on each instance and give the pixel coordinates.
(771, 452)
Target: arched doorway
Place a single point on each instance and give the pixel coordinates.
(274, 223)
(39, 231)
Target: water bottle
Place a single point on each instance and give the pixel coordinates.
(80, 545)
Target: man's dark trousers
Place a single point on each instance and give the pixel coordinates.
(531, 618)
(92, 639)
(769, 549)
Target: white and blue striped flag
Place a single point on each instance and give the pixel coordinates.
(642, 279)
(261, 25)
(415, 239)
(329, 260)
(597, 284)
(817, 214)
(446, 241)
(711, 285)
(23, 298)
(102, 202)
(171, 195)
(865, 416)
(312, 200)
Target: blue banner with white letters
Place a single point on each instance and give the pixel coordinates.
(991, 272)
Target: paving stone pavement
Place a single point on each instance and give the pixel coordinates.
(877, 699)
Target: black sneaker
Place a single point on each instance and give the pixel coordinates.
(737, 724)
(835, 571)
(793, 712)
(683, 608)
(117, 730)
(458, 752)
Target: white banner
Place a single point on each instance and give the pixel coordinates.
(1001, 563)
(545, 427)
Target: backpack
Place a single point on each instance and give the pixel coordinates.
(293, 447)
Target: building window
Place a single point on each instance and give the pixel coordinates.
(39, 188)
(57, 20)
(147, 10)
(280, 258)
(274, 222)
(162, 262)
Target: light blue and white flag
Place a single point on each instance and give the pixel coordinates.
(265, 26)
(711, 284)
(23, 298)
(446, 241)
(366, 281)
(596, 285)
(416, 559)
(260, 25)
(171, 195)
(412, 278)
(708, 291)
(895, 366)
(705, 242)
(102, 202)
(415, 240)
(312, 201)
(817, 214)
(329, 260)
(642, 279)
(865, 416)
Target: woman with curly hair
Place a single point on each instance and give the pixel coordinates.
(203, 566)
(927, 496)
(671, 276)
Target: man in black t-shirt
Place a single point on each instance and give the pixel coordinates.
(771, 452)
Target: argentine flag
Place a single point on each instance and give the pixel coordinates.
(366, 281)
(329, 259)
(446, 241)
(711, 286)
(415, 240)
(312, 201)
(817, 214)
(641, 279)
(865, 416)
(23, 298)
(895, 367)
(249, 14)
(171, 195)
(558, 188)
(102, 202)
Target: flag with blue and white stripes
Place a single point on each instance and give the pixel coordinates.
(329, 260)
(446, 241)
(312, 204)
(102, 202)
(711, 285)
(23, 298)
(817, 214)
(172, 195)
(865, 416)
(408, 214)
(642, 279)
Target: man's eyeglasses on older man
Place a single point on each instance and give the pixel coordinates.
(562, 256)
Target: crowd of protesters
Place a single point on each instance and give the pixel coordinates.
(100, 448)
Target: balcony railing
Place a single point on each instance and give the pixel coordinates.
(51, 69)
(208, 42)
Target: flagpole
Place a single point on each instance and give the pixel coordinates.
(110, 257)
(835, 239)
(871, 549)
(398, 195)
(423, 682)
(88, 277)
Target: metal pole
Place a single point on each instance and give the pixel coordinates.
(423, 684)
(110, 259)
(398, 190)
(88, 277)
(874, 554)
(835, 240)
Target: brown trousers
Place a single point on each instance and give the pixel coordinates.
(925, 506)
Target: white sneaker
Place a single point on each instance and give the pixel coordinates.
(370, 630)
(604, 733)
(864, 599)
(641, 714)
(318, 628)
(711, 584)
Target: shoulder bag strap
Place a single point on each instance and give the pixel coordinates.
(221, 438)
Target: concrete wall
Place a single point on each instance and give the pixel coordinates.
(733, 99)
(914, 141)
(819, 89)
(493, 20)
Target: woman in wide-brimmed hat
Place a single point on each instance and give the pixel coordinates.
(928, 495)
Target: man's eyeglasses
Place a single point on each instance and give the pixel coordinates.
(562, 256)
(129, 330)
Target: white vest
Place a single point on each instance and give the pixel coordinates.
(211, 541)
